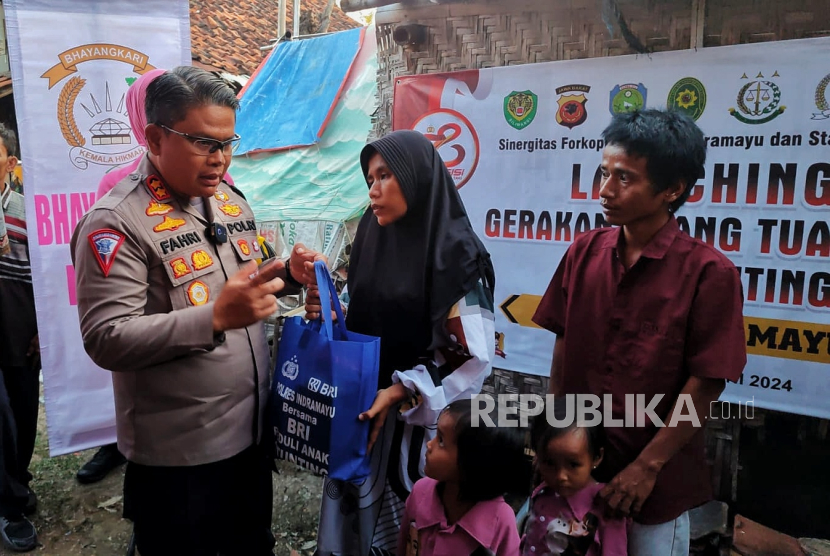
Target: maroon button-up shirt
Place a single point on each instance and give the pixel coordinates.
(677, 312)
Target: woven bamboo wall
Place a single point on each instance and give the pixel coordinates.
(508, 32)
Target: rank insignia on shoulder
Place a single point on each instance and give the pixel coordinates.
(221, 196)
(198, 293)
(105, 244)
(157, 209)
(201, 259)
(243, 246)
(231, 209)
(169, 225)
(157, 188)
(180, 268)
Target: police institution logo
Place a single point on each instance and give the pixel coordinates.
(520, 108)
(822, 100)
(627, 98)
(95, 124)
(290, 369)
(758, 101)
(688, 96)
(105, 244)
(572, 99)
(455, 139)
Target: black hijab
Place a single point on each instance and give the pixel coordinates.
(406, 276)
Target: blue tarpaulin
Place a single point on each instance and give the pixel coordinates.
(290, 98)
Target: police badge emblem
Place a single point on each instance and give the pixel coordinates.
(105, 244)
(571, 102)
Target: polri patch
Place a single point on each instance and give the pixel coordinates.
(201, 259)
(243, 246)
(180, 268)
(231, 209)
(105, 244)
(169, 225)
(221, 196)
(198, 293)
(157, 209)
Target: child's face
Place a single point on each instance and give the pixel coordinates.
(566, 464)
(442, 452)
(7, 163)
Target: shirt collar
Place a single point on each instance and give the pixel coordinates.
(580, 503)
(479, 522)
(656, 248)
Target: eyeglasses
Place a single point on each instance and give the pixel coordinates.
(204, 146)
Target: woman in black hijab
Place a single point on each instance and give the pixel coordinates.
(421, 280)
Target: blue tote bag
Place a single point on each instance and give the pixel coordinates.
(325, 376)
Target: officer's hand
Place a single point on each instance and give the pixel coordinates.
(302, 264)
(248, 297)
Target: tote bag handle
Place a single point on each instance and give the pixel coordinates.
(326, 300)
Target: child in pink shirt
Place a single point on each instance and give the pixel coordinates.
(566, 516)
(458, 509)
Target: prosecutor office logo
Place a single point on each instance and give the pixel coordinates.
(95, 126)
(455, 139)
(290, 369)
(520, 108)
(627, 98)
(822, 100)
(758, 101)
(688, 96)
(571, 102)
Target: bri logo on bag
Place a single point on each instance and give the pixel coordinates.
(318, 386)
(290, 369)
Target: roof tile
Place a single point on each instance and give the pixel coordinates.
(228, 34)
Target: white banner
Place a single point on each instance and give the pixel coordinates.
(72, 62)
(524, 145)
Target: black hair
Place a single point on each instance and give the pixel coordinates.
(9, 139)
(543, 431)
(671, 142)
(491, 460)
(172, 94)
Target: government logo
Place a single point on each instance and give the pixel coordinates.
(822, 100)
(688, 96)
(759, 100)
(627, 98)
(520, 108)
(290, 369)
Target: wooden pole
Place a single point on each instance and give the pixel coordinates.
(698, 23)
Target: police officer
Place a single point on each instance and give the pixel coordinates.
(171, 300)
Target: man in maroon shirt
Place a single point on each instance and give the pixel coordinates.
(642, 308)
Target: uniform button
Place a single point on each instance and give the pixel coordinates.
(541, 518)
(533, 549)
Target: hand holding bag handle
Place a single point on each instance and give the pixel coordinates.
(323, 277)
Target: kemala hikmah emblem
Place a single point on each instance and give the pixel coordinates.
(759, 101)
(95, 127)
(822, 102)
(572, 101)
(627, 98)
(520, 108)
(688, 96)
